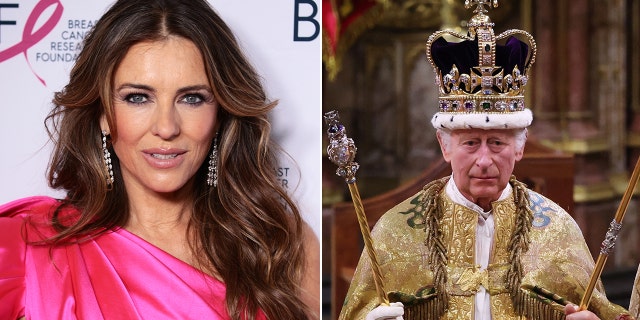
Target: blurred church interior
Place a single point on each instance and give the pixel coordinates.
(584, 93)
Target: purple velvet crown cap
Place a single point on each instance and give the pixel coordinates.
(465, 55)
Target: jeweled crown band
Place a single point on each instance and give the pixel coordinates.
(484, 104)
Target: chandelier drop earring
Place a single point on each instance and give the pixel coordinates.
(107, 159)
(212, 175)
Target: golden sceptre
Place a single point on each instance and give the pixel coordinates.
(611, 236)
(342, 151)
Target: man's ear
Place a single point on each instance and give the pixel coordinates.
(443, 147)
(520, 153)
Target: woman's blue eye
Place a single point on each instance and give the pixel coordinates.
(136, 98)
(193, 99)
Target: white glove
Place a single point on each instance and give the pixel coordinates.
(393, 311)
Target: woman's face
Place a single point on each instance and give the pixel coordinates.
(165, 113)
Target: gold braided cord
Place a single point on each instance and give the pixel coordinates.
(519, 242)
(434, 241)
(368, 243)
(437, 252)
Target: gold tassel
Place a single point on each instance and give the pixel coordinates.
(538, 303)
(535, 303)
(424, 306)
(426, 310)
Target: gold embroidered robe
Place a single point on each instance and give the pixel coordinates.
(558, 259)
(634, 305)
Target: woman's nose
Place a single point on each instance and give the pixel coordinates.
(167, 121)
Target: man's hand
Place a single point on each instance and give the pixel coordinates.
(573, 313)
(393, 311)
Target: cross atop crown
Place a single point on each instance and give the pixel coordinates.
(480, 5)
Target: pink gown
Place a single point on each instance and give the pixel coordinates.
(116, 275)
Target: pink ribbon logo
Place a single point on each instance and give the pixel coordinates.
(30, 36)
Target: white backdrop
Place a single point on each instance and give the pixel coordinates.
(38, 42)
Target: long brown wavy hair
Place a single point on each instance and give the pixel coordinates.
(247, 229)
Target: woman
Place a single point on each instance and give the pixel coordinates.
(172, 207)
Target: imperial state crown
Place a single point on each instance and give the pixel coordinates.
(481, 83)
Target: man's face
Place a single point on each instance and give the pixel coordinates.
(482, 162)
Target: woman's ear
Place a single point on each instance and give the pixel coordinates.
(104, 124)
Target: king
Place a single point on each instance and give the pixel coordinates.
(478, 244)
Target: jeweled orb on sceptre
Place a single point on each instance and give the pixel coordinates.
(341, 149)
